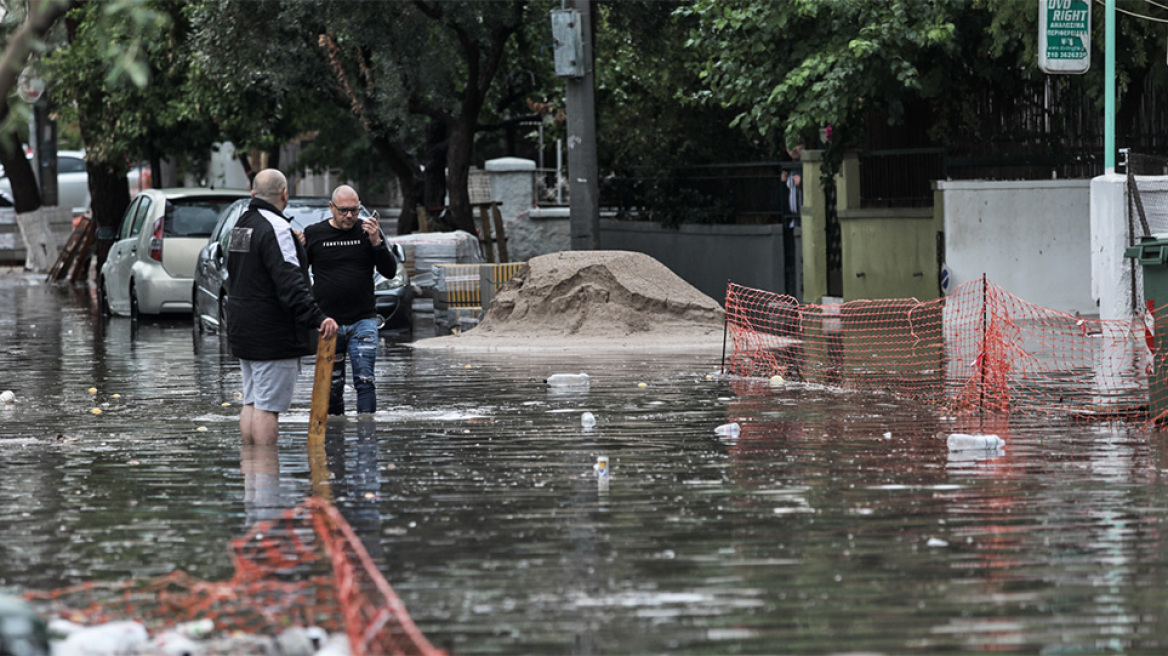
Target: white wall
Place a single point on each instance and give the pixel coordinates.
(224, 171)
(1111, 272)
(1031, 238)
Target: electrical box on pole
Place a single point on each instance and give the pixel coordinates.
(569, 43)
(1064, 36)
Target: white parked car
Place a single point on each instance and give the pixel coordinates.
(151, 265)
(73, 181)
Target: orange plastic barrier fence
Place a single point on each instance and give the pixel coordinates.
(307, 568)
(978, 350)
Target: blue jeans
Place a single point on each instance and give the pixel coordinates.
(356, 342)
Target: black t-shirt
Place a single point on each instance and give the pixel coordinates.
(342, 264)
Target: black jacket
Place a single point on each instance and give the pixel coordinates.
(271, 314)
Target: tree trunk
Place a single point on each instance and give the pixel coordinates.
(458, 175)
(411, 193)
(409, 178)
(26, 193)
(40, 244)
(437, 145)
(111, 197)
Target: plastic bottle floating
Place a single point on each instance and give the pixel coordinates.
(601, 466)
(576, 381)
(974, 442)
(7, 397)
(728, 430)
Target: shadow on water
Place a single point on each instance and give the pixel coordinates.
(834, 522)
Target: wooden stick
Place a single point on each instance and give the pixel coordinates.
(326, 349)
(318, 470)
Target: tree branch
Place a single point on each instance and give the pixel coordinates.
(41, 16)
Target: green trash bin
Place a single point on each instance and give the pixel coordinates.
(1152, 254)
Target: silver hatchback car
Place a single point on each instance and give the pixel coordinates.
(150, 266)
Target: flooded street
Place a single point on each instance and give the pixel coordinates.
(834, 523)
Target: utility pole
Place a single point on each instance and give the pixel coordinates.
(572, 30)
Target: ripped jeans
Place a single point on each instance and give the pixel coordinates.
(357, 343)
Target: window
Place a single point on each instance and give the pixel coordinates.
(135, 216)
(193, 217)
(70, 165)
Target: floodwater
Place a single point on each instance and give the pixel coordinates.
(834, 523)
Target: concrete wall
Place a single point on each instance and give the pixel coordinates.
(1032, 238)
(539, 231)
(889, 253)
(512, 185)
(706, 256)
(1116, 281)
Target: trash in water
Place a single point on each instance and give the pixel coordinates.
(730, 430)
(7, 397)
(587, 420)
(936, 542)
(196, 628)
(976, 441)
(114, 638)
(601, 466)
(888, 435)
(776, 381)
(579, 380)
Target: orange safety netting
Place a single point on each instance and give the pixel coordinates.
(307, 568)
(978, 350)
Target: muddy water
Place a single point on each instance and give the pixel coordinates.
(834, 523)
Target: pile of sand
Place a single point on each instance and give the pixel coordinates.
(590, 299)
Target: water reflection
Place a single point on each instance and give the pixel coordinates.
(835, 522)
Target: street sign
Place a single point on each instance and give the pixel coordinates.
(1064, 36)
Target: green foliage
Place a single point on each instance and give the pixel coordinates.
(791, 68)
(122, 77)
(649, 111)
(256, 70)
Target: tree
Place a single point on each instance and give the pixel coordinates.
(38, 18)
(650, 114)
(436, 59)
(932, 66)
(794, 67)
(118, 77)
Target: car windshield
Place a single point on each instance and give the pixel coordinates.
(305, 215)
(193, 217)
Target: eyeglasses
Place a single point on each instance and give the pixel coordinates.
(346, 210)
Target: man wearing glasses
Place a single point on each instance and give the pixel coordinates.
(342, 253)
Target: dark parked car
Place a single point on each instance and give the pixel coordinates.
(394, 296)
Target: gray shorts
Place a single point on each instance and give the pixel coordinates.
(268, 384)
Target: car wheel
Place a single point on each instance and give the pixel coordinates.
(133, 303)
(195, 310)
(103, 299)
(223, 313)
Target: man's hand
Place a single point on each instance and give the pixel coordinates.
(328, 328)
(373, 229)
(299, 237)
